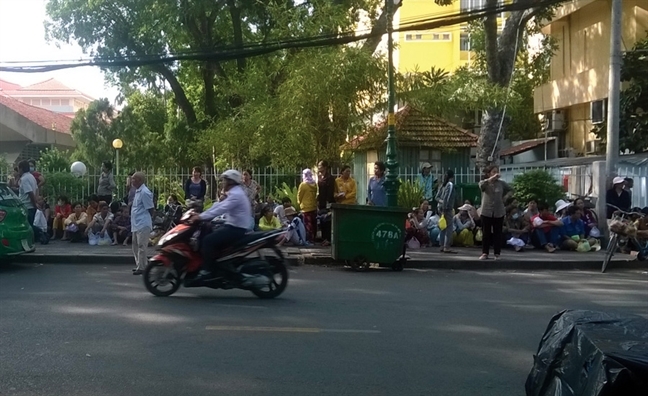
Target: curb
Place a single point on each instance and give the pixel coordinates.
(593, 265)
(297, 260)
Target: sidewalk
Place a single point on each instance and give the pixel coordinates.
(429, 258)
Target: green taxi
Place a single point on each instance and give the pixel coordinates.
(16, 234)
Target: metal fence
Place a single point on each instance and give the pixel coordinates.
(576, 180)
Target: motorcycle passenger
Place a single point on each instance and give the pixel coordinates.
(238, 213)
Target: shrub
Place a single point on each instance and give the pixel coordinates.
(286, 191)
(410, 194)
(537, 185)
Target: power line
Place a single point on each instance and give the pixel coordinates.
(231, 52)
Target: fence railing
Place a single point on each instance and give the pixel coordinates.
(577, 180)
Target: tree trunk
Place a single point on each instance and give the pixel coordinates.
(488, 142)
(379, 26)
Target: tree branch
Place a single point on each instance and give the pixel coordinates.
(235, 14)
(379, 26)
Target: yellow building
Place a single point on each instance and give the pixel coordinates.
(575, 98)
(446, 48)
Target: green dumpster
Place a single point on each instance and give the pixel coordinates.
(362, 235)
(470, 191)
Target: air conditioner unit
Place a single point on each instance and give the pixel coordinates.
(592, 147)
(598, 111)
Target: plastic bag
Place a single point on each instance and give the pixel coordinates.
(413, 243)
(443, 224)
(595, 232)
(591, 353)
(479, 236)
(584, 246)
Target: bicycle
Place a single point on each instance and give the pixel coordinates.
(619, 239)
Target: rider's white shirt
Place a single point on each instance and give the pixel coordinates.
(236, 206)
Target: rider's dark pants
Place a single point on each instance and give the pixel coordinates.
(218, 240)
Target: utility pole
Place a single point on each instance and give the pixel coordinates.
(614, 108)
(392, 183)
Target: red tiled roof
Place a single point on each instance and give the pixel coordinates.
(526, 146)
(51, 87)
(415, 129)
(45, 118)
(8, 86)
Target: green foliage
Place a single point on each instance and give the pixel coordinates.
(286, 191)
(471, 88)
(54, 160)
(410, 194)
(633, 124)
(290, 107)
(537, 185)
(64, 183)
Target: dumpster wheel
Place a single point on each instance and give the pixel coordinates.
(359, 264)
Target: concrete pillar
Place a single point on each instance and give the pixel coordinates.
(599, 188)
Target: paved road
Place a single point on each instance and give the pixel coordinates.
(94, 330)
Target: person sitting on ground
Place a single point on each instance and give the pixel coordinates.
(589, 218)
(268, 221)
(573, 231)
(463, 226)
(100, 228)
(121, 227)
(516, 229)
(618, 197)
(531, 210)
(75, 224)
(547, 228)
(93, 206)
(280, 210)
(62, 211)
(296, 231)
(561, 208)
(417, 228)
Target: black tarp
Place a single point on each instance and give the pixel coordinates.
(590, 353)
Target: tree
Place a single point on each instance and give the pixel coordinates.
(489, 84)
(291, 106)
(633, 123)
(54, 160)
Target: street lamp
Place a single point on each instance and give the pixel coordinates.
(117, 144)
(392, 183)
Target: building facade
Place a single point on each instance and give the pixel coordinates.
(49, 94)
(575, 98)
(446, 48)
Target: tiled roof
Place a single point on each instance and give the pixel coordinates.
(8, 86)
(415, 129)
(45, 118)
(51, 87)
(526, 146)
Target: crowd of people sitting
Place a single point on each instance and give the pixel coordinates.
(502, 221)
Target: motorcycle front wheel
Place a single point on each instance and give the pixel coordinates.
(160, 280)
(278, 275)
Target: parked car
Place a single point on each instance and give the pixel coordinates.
(16, 234)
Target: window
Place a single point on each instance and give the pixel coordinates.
(436, 36)
(598, 109)
(464, 42)
(408, 37)
(56, 102)
(45, 102)
(467, 5)
(418, 37)
(446, 36)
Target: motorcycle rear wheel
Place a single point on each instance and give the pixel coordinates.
(159, 284)
(274, 289)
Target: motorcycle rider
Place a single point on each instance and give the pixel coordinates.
(238, 213)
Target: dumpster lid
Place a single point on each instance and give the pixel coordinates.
(370, 208)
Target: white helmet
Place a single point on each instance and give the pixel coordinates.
(233, 175)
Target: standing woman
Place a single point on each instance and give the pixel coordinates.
(307, 200)
(107, 185)
(446, 200)
(195, 187)
(347, 188)
(494, 193)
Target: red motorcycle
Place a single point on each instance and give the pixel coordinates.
(253, 263)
